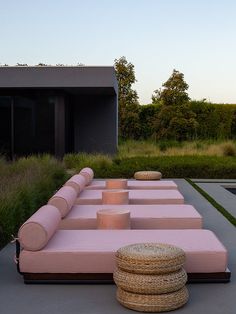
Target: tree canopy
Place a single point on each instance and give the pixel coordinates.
(127, 100)
(175, 118)
(173, 91)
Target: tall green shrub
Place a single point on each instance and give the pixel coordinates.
(25, 185)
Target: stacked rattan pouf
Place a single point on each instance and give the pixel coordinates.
(150, 277)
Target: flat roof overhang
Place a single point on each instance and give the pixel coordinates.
(74, 80)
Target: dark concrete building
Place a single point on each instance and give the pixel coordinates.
(58, 110)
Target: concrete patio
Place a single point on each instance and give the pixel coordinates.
(15, 296)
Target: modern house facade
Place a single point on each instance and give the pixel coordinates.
(56, 110)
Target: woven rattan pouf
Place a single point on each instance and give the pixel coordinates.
(150, 258)
(153, 302)
(150, 284)
(147, 175)
(150, 277)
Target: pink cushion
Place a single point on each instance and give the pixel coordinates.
(93, 251)
(94, 197)
(113, 219)
(88, 174)
(64, 199)
(136, 185)
(77, 182)
(142, 216)
(116, 184)
(115, 197)
(35, 233)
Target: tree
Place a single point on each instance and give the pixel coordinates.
(127, 99)
(175, 119)
(173, 91)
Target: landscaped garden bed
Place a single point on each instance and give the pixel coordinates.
(24, 186)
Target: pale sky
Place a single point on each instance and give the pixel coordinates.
(197, 38)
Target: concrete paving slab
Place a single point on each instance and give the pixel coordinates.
(214, 180)
(221, 195)
(86, 299)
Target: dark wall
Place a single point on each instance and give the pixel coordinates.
(5, 126)
(95, 124)
(59, 77)
(57, 122)
(27, 125)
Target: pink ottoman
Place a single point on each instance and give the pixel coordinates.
(113, 219)
(115, 197)
(117, 184)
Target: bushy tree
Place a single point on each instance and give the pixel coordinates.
(127, 99)
(173, 91)
(175, 119)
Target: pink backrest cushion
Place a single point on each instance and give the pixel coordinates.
(64, 199)
(77, 182)
(35, 233)
(88, 174)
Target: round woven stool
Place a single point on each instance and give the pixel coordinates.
(153, 303)
(147, 175)
(150, 258)
(113, 219)
(150, 284)
(115, 197)
(117, 184)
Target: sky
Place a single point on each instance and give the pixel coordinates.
(195, 37)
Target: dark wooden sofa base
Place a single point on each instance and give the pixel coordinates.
(34, 278)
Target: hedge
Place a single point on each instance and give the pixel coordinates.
(171, 166)
(214, 121)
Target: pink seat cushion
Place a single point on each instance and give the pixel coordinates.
(142, 216)
(77, 182)
(64, 199)
(115, 197)
(93, 251)
(94, 197)
(88, 174)
(136, 185)
(39, 228)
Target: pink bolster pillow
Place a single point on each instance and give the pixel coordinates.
(88, 174)
(77, 182)
(116, 184)
(115, 197)
(35, 233)
(63, 200)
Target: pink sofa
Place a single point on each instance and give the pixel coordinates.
(46, 253)
(90, 254)
(51, 254)
(142, 216)
(136, 185)
(146, 197)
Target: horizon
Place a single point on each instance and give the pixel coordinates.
(194, 38)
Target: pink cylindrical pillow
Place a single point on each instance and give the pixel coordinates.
(35, 233)
(117, 184)
(88, 174)
(77, 182)
(113, 219)
(64, 199)
(115, 197)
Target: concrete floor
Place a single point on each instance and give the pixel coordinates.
(15, 297)
(221, 195)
